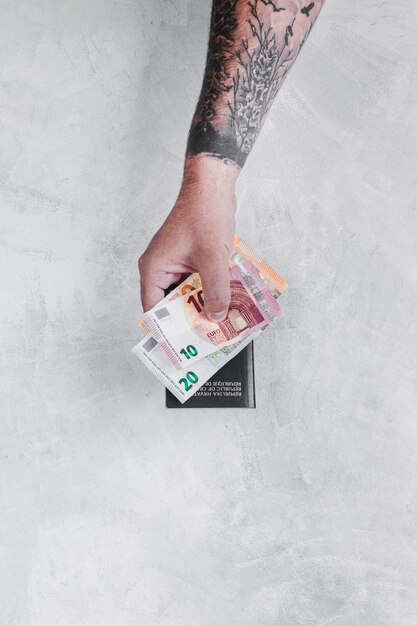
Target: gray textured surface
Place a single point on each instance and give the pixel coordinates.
(115, 511)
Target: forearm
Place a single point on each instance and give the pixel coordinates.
(252, 46)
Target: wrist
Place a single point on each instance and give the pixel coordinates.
(206, 169)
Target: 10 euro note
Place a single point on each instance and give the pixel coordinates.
(185, 333)
(192, 282)
(242, 253)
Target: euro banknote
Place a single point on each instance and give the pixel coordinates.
(185, 333)
(183, 384)
(183, 349)
(191, 283)
(242, 252)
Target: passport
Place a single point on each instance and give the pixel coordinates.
(233, 386)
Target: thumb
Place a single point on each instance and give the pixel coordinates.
(214, 272)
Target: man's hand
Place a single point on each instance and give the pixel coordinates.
(196, 236)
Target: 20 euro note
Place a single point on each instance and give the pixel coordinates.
(185, 333)
(183, 384)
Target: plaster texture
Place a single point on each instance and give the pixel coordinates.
(115, 511)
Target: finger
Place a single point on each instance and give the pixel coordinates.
(150, 295)
(214, 272)
(153, 285)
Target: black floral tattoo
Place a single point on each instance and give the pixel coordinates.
(244, 73)
(203, 136)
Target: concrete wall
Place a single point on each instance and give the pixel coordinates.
(115, 511)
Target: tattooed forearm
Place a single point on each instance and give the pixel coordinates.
(252, 46)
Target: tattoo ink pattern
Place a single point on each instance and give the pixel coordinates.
(218, 80)
(223, 25)
(274, 6)
(253, 85)
(306, 10)
(242, 75)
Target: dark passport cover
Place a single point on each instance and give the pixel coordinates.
(233, 386)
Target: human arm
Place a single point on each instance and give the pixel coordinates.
(252, 46)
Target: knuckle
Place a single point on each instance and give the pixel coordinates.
(142, 261)
(209, 249)
(218, 253)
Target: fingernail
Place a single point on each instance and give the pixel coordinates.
(217, 316)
